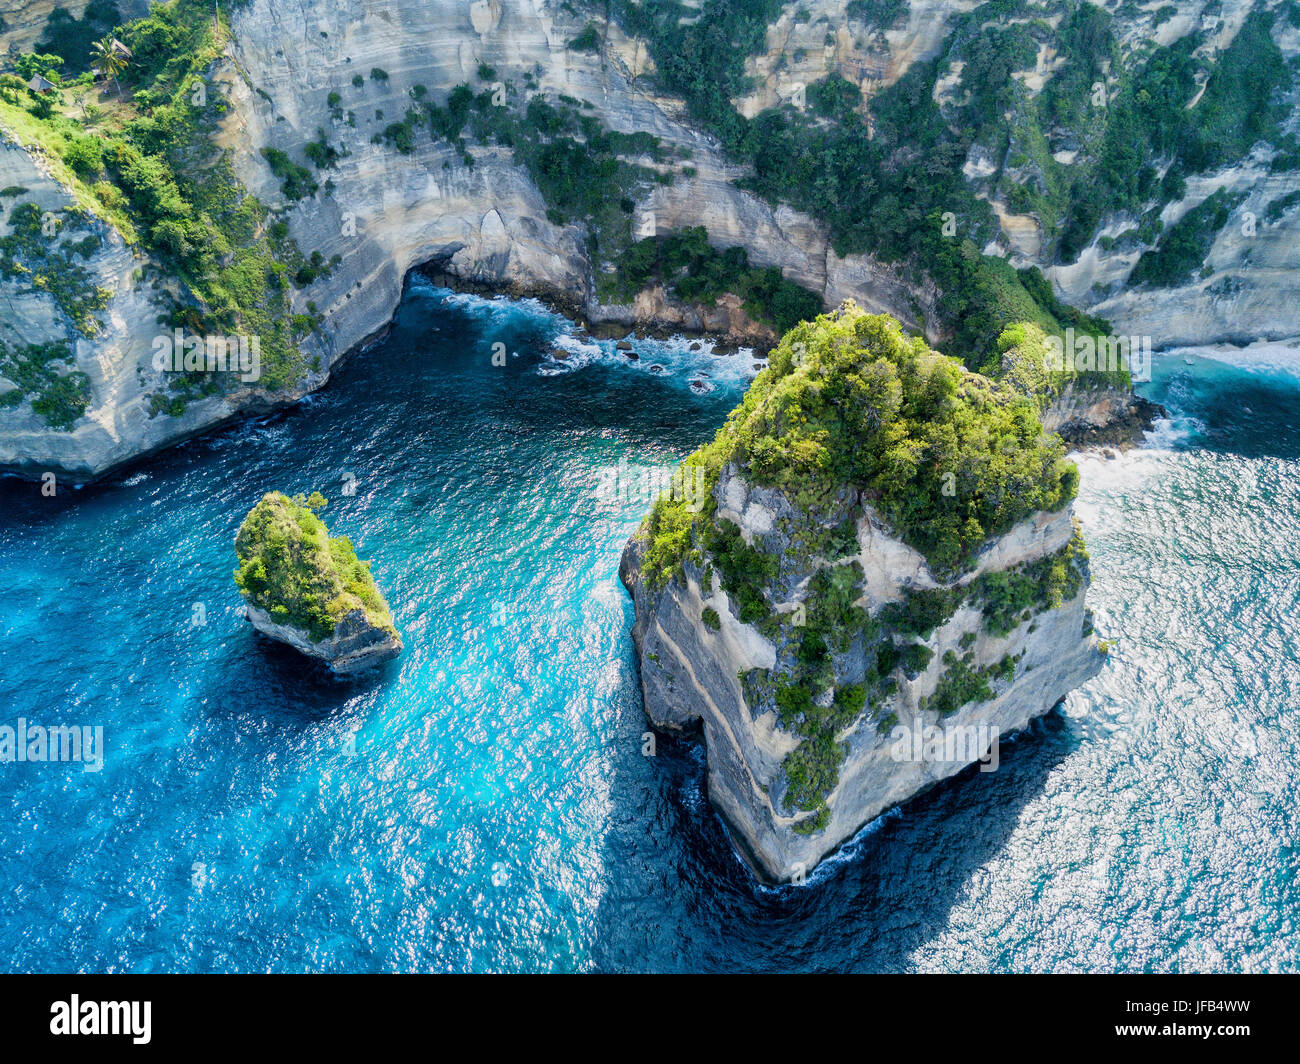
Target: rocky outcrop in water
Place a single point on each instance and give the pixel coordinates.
(309, 590)
(789, 611)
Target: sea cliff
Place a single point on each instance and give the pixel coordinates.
(339, 133)
(877, 549)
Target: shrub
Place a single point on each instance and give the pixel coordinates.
(295, 181)
(85, 155)
(586, 41)
(1183, 248)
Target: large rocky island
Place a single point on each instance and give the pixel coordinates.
(877, 544)
(308, 589)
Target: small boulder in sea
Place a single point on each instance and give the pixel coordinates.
(623, 345)
(310, 590)
(696, 345)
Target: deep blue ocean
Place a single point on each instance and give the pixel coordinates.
(483, 803)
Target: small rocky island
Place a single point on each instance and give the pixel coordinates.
(878, 543)
(309, 589)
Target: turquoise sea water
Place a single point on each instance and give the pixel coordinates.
(483, 802)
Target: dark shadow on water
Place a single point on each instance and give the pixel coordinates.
(866, 909)
(271, 682)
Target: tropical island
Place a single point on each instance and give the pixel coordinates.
(309, 589)
(878, 538)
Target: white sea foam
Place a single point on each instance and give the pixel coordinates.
(672, 358)
(1168, 434)
(1272, 356)
(696, 363)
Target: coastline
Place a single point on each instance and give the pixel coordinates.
(256, 404)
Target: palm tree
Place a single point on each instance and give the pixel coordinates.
(110, 56)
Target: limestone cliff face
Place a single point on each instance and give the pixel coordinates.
(386, 212)
(693, 674)
(487, 225)
(1088, 417)
(389, 212)
(116, 358)
(1245, 291)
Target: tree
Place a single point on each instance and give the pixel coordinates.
(110, 57)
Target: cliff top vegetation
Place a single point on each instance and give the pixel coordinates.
(292, 568)
(950, 458)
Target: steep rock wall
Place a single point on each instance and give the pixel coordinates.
(487, 225)
(692, 675)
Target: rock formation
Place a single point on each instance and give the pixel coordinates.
(832, 588)
(308, 589)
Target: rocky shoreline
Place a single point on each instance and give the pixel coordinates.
(1124, 420)
(1123, 429)
(355, 645)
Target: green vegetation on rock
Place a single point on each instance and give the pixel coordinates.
(586, 41)
(691, 269)
(39, 253)
(882, 13)
(852, 414)
(1182, 249)
(848, 400)
(304, 578)
(1120, 111)
(1020, 360)
(961, 683)
(145, 160)
(44, 374)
